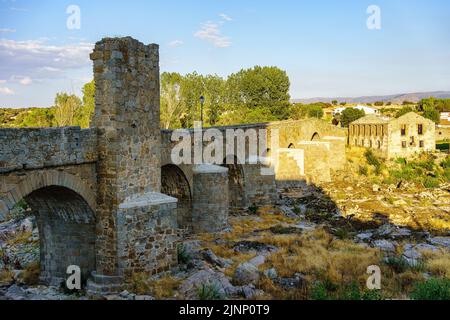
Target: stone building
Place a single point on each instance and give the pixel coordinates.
(391, 138)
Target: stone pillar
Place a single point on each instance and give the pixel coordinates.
(210, 198)
(127, 108)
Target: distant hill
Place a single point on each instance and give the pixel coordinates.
(396, 98)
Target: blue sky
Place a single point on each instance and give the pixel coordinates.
(325, 46)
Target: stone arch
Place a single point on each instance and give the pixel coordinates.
(315, 137)
(37, 180)
(291, 146)
(236, 182)
(64, 210)
(175, 184)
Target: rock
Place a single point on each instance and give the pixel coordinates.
(271, 273)
(144, 298)
(400, 233)
(257, 261)
(249, 292)
(306, 226)
(297, 282)
(189, 288)
(16, 293)
(254, 247)
(245, 274)
(384, 245)
(400, 203)
(412, 253)
(440, 241)
(210, 257)
(364, 237)
(288, 212)
(376, 188)
(27, 225)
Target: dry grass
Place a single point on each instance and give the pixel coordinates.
(318, 256)
(438, 263)
(6, 277)
(30, 276)
(22, 238)
(162, 288)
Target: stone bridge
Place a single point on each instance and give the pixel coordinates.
(112, 201)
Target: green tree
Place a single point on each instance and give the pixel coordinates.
(171, 103)
(66, 109)
(334, 102)
(428, 107)
(403, 111)
(301, 111)
(351, 114)
(260, 87)
(37, 118)
(86, 112)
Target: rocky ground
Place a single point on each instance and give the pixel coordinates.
(315, 243)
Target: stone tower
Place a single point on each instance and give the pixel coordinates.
(126, 74)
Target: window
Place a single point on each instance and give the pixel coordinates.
(370, 143)
(403, 144)
(412, 141)
(356, 142)
(362, 143)
(420, 129)
(422, 144)
(379, 144)
(403, 130)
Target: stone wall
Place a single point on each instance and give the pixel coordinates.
(42, 148)
(442, 133)
(147, 234)
(405, 139)
(210, 199)
(126, 74)
(66, 226)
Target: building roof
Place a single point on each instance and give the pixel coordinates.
(370, 119)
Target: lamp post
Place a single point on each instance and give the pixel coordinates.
(202, 101)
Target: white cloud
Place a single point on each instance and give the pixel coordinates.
(6, 30)
(25, 81)
(6, 91)
(2, 81)
(40, 60)
(210, 32)
(225, 17)
(176, 43)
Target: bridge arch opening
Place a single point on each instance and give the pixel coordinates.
(175, 184)
(66, 225)
(315, 137)
(236, 182)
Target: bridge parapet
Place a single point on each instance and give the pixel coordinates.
(46, 147)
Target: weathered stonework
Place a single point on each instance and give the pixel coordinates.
(42, 148)
(405, 136)
(96, 192)
(210, 192)
(147, 234)
(126, 74)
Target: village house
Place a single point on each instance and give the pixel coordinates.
(402, 137)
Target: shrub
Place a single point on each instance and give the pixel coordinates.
(209, 291)
(373, 161)
(398, 264)
(6, 277)
(253, 209)
(319, 292)
(138, 283)
(184, 256)
(430, 182)
(363, 170)
(432, 289)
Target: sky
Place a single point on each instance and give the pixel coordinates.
(328, 48)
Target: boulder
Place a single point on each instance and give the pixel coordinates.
(189, 288)
(384, 245)
(246, 273)
(257, 261)
(440, 241)
(271, 273)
